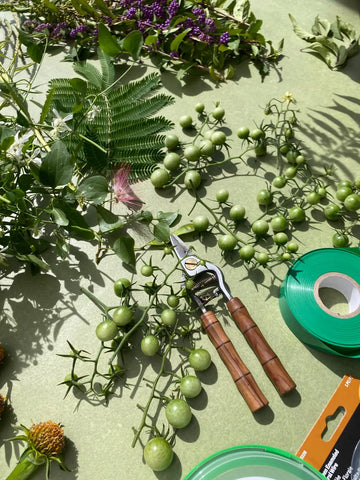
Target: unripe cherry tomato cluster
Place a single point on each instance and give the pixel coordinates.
(285, 203)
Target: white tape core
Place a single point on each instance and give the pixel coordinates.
(343, 284)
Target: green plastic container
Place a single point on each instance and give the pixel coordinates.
(253, 462)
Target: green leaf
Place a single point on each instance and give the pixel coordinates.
(93, 189)
(56, 168)
(167, 217)
(322, 52)
(151, 39)
(6, 137)
(133, 43)
(177, 40)
(33, 259)
(82, 233)
(78, 84)
(107, 220)
(124, 249)
(36, 51)
(162, 231)
(241, 10)
(108, 42)
(184, 229)
(104, 8)
(59, 217)
(299, 31)
(51, 6)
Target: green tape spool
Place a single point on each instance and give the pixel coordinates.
(253, 462)
(305, 313)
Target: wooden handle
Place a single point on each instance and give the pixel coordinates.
(239, 372)
(268, 359)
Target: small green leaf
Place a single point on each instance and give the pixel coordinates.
(133, 43)
(82, 233)
(177, 40)
(124, 249)
(162, 232)
(59, 217)
(56, 168)
(78, 84)
(108, 42)
(107, 220)
(33, 259)
(93, 189)
(151, 39)
(167, 217)
(36, 51)
(299, 31)
(184, 229)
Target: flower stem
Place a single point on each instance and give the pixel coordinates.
(23, 470)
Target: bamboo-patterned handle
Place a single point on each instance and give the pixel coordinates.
(268, 359)
(239, 372)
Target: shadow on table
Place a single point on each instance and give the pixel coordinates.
(339, 365)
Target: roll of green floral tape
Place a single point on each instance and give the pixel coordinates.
(253, 462)
(312, 319)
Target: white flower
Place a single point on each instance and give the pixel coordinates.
(15, 150)
(91, 114)
(59, 123)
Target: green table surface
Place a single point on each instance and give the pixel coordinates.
(39, 314)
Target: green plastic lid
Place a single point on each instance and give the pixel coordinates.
(253, 462)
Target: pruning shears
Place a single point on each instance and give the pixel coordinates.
(209, 283)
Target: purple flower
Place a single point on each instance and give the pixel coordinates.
(173, 8)
(42, 26)
(131, 12)
(211, 26)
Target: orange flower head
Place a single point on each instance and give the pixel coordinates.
(47, 438)
(2, 404)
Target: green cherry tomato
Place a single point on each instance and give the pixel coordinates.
(178, 413)
(262, 258)
(199, 107)
(257, 134)
(332, 212)
(243, 132)
(192, 179)
(190, 386)
(340, 240)
(280, 238)
(173, 301)
(199, 359)
(260, 227)
(227, 242)
(247, 252)
(278, 223)
(208, 134)
(352, 202)
(106, 330)
(168, 317)
(357, 183)
(290, 172)
(172, 161)
(289, 133)
(218, 113)
(300, 160)
(158, 454)
(279, 181)
(121, 286)
(292, 247)
(284, 148)
(147, 270)
(150, 345)
(122, 316)
(192, 153)
(296, 214)
(321, 191)
(345, 183)
(286, 256)
(159, 177)
(222, 195)
(291, 156)
(201, 223)
(185, 121)
(171, 141)
(218, 138)
(342, 193)
(237, 213)
(189, 284)
(313, 198)
(167, 250)
(206, 148)
(264, 197)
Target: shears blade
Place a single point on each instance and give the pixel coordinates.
(180, 248)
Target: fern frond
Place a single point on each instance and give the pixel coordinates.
(91, 73)
(142, 109)
(141, 171)
(107, 70)
(133, 91)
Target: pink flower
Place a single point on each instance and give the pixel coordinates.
(122, 190)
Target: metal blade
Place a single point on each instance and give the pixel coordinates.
(180, 248)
